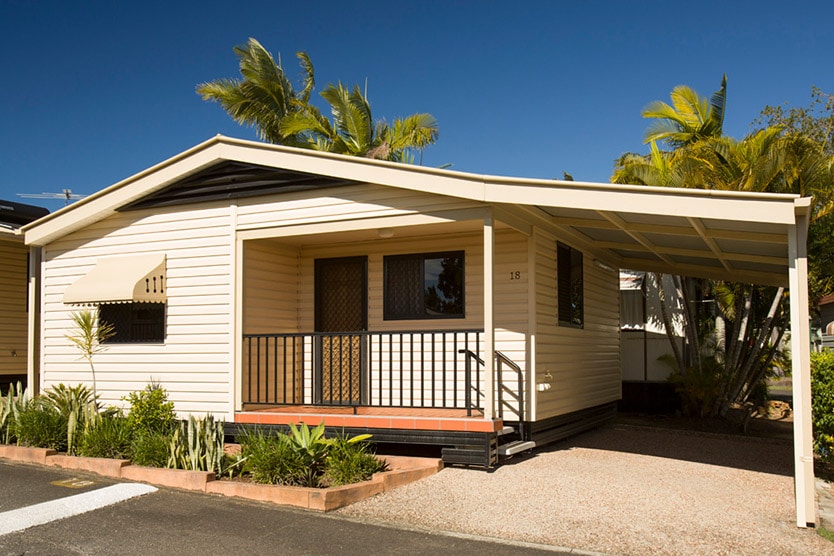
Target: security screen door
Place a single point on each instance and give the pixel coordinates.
(341, 307)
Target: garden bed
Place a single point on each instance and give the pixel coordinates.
(402, 470)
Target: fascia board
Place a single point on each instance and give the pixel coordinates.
(105, 202)
(776, 209)
(417, 178)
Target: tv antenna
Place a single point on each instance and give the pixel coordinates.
(66, 194)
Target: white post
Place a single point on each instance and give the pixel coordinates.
(236, 302)
(801, 367)
(489, 323)
(33, 343)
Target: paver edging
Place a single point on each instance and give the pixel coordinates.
(402, 470)
(25, 453)
(176, 478)
(101, 466)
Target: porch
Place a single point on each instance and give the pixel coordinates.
(419, 379)
(409, 387)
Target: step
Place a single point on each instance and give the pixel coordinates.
(505, 431)
(515, 447)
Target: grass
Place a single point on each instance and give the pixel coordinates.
(825, 533)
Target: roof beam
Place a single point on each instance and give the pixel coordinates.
(699, 227)
(760, 237)
(684, 252)
(637, 236)
(713, 273)
(575, 237)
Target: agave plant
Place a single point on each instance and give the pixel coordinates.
(311, 447)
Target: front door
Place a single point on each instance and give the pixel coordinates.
(341, 309)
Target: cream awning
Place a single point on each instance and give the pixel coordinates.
(137, 278)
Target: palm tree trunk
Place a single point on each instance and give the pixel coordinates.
(765, 365)
(667, 323)
(742, 330)
(691, 328)
(748, 369)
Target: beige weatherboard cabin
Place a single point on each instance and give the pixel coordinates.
(268, 285)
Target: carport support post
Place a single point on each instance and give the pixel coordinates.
(801, 370)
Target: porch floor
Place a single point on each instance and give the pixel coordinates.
(406, 418)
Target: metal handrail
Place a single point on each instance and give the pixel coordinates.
(501, 358)
(470, 355)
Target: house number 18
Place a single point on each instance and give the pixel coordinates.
(515, 275)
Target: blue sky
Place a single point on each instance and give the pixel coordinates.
(93, 92)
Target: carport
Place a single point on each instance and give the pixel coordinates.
(755, 238)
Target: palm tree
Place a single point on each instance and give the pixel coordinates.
(353, 131)
(265, 99)
(768, 160)
(265, 96)
(690, 117)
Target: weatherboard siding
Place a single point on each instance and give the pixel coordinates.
(342, 203)
(194, 363)
(13, 314)
(511, 296)
(583, 363)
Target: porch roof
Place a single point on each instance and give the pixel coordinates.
(713, 234)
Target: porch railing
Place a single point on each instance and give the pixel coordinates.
(412, 369)
(509, 393)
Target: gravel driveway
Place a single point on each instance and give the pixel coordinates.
(619, 490)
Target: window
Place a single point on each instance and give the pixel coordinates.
(134, 322)
(570, 287)
(423, 286)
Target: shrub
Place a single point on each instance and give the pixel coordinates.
(698, 388)
(270, 459)
(39, 424)
(106, 436)
(150, 410)
(310, 446)
(351, 460)
(822, 403)
(304, 457)
(150, 449)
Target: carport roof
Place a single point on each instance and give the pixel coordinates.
(713, 234)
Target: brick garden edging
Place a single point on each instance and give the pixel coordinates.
(402, 470)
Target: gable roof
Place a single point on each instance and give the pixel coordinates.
(715, 234)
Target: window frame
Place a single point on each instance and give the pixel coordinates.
(122, 337)
(387, 311)
(570, 266)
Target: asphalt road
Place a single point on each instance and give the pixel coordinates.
(181, 523)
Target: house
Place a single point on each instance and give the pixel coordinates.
(644, 343)
(267, 285)
(14, 308)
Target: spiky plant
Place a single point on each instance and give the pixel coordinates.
(89, 335)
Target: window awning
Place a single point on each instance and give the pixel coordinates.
(138, 278)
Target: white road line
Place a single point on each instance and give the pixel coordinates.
(38, 514)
